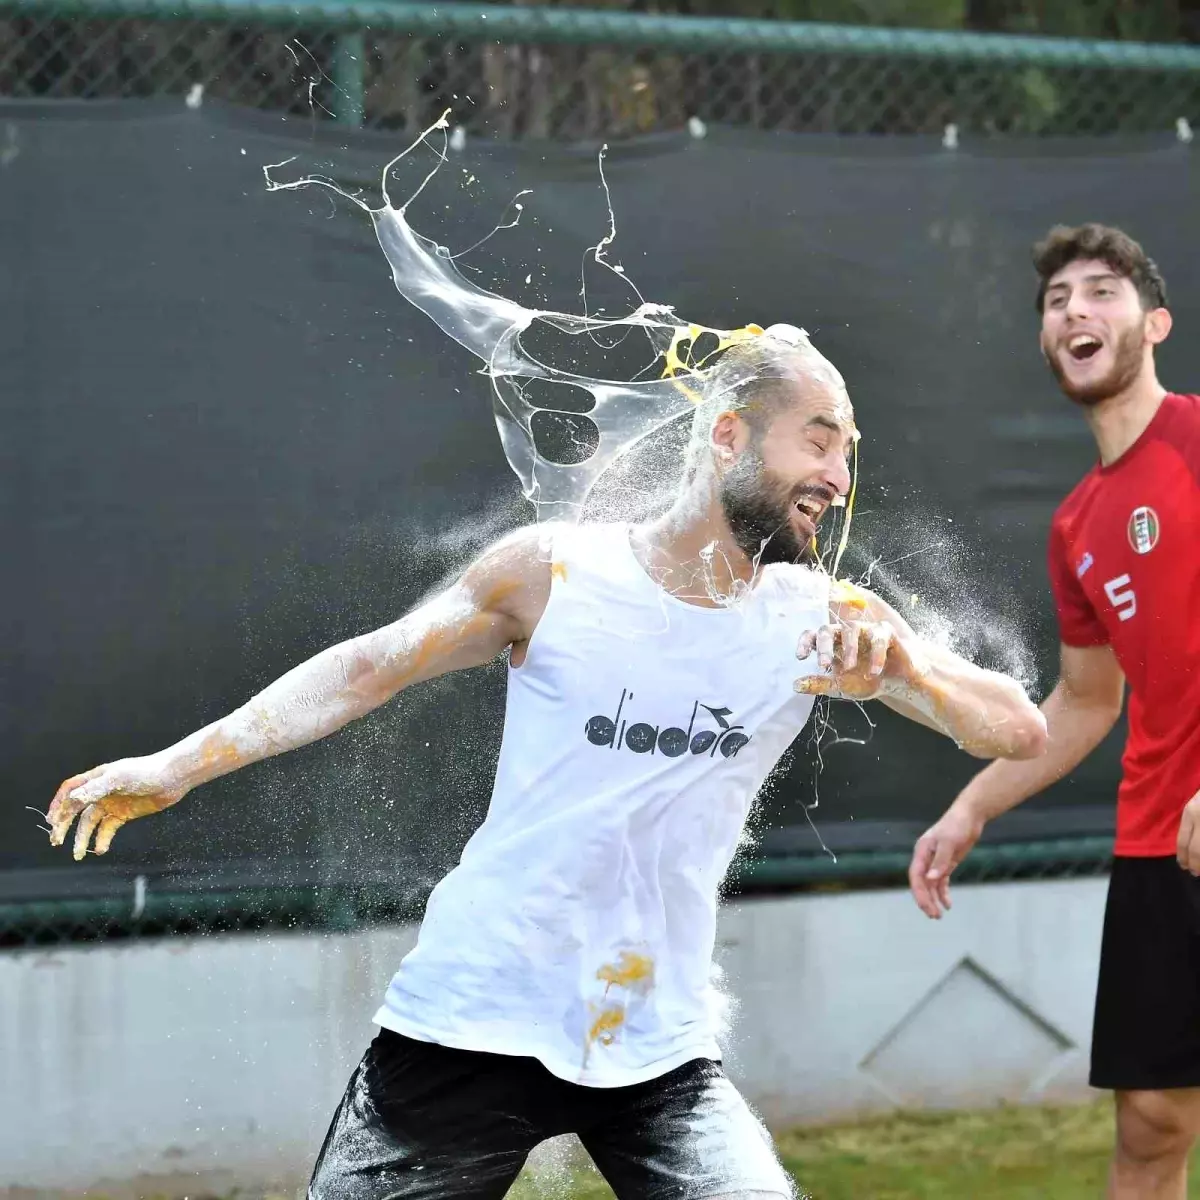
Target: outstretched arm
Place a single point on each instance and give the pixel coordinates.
(871, 652)
(1080, 711)
(495, 604)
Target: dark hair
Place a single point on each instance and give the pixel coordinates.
(1065, 244)
(757, 379)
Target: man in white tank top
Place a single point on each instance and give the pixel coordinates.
(561, 980)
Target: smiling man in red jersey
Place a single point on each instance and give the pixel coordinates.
(1124, 560)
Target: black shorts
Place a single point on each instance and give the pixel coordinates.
(1146, 1034)
(422, 1120)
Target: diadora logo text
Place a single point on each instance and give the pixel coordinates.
(642, 737)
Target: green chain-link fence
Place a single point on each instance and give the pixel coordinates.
(569, 73)
(552, 72)
(149, 908)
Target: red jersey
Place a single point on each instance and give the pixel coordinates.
(1125, 572)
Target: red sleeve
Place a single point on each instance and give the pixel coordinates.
(1078, 624)
(1189, 443)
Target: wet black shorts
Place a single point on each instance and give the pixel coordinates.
(1147, 1029)
(422, 1120)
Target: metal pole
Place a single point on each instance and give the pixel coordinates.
(349, 72)
(539, 24)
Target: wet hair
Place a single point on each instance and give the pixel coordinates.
(1065, 244)
(758, 380)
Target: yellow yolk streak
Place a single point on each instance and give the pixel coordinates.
(608, 1020)
(844, 540)
(628, 971)
(683, 364)
(844, 593)
(634, 972)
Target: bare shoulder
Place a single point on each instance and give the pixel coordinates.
(511, 578)
(849, 602)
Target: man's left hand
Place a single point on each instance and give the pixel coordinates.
(862, 658)
(1188, 848)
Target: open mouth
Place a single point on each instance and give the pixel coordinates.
(809, 511)
(1084, 346)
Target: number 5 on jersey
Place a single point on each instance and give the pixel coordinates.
(1121, 597)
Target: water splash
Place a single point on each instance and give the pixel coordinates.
(926, 572)
(602, 419)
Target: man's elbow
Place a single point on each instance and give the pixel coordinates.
(1018, 734)
(1028, 736)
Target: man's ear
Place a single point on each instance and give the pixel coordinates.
(1158, 326)
(730, 436)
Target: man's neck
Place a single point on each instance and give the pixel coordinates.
(689, 552)
(1119, 421)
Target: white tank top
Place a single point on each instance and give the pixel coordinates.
(578, 927)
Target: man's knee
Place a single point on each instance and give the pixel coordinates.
(1157, 1126)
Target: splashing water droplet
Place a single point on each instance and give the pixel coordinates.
(621, 412)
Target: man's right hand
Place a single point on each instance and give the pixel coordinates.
(104, 798)
(1082, 708)
(939, 850)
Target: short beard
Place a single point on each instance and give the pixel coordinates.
(1127, 365)
(757, 508)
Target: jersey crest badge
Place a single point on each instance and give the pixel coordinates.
(1143, 530)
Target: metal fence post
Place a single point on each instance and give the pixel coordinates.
(349, 73)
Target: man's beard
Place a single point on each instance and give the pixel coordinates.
(1127, 365)
(758, 507)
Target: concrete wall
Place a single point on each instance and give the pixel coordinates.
(220, 1060)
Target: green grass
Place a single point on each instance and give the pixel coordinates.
(1010, 1152)
(1042, 1153)
(1015, 1153)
